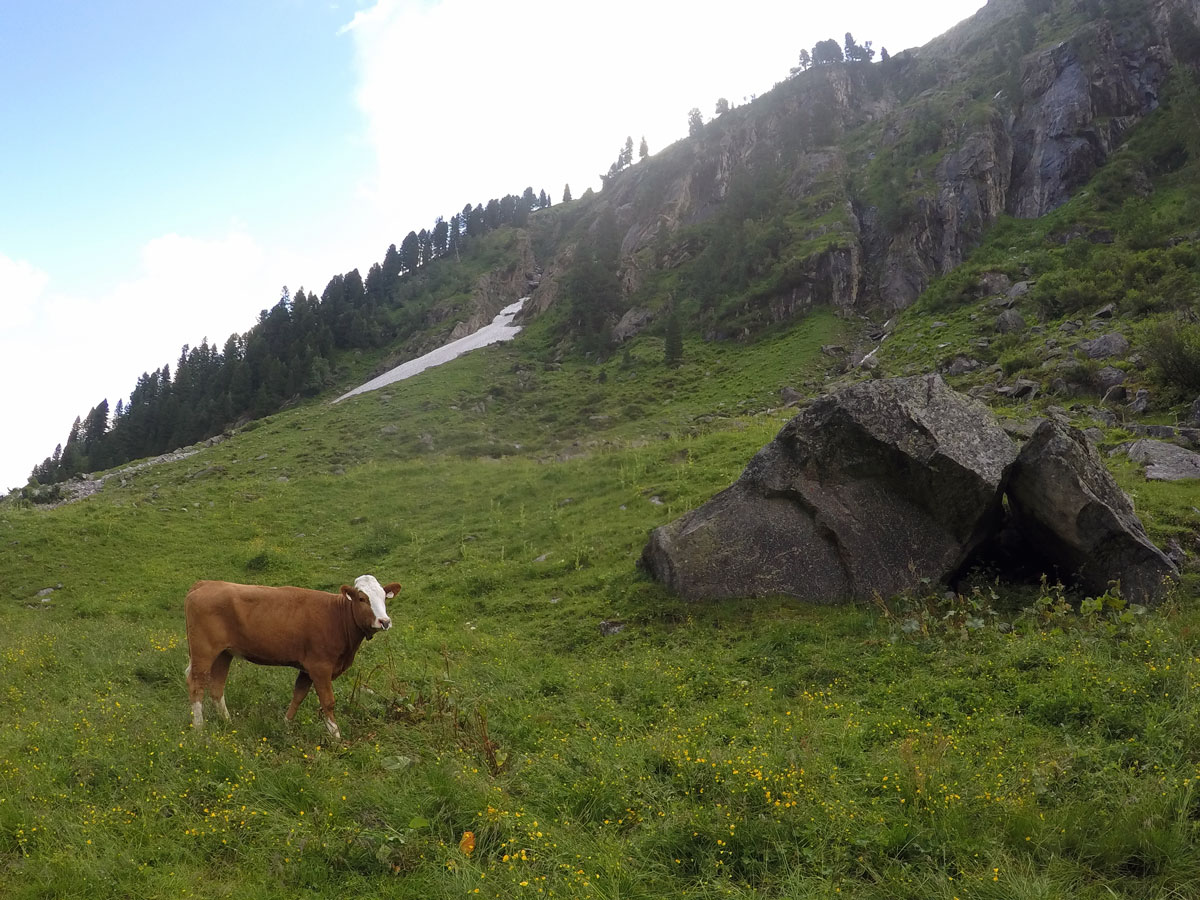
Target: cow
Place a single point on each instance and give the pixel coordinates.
(313, 631)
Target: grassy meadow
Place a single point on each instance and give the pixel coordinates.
(500, 743)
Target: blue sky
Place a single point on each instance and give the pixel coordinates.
(167, 167)
(136, 121)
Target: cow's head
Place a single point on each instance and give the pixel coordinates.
(373, 596)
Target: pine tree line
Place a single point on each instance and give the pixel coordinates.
(285, 356)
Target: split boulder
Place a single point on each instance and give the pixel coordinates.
(893, 485)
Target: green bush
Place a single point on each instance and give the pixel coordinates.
(1173, 350)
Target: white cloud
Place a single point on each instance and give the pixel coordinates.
(21, 285)
(62, 354)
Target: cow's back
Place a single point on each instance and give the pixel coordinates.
(271, 625)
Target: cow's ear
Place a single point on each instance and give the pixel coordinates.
(391, 590)
(353, 593)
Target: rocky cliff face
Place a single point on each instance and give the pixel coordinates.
(1022, 149)
(1078, 99)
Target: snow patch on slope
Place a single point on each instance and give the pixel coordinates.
(500, 329)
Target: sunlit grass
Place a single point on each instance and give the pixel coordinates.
(754, 750)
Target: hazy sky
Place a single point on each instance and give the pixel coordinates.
(166, 168)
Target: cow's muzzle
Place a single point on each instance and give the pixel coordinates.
(383, 624)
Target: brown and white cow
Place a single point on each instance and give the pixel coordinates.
(313, 631)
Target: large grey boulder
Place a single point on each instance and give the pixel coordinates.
(1068, 508)
(878, 488)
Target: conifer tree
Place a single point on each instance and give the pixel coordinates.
(566, 194)
(673, 340)
(643, 149)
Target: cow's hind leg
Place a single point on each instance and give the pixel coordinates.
(197, 681)
(299, 692)
(216, 685)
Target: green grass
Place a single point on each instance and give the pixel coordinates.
(748, 750)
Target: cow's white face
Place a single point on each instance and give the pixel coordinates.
(370, 586)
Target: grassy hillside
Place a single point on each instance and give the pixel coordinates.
(757, 750)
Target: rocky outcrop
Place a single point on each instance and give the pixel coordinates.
(869, 490)
(891, 486)
(1022, 151)
(1078, 99)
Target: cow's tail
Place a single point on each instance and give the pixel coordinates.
(187, 634)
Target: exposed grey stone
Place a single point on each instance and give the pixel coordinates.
(962, 365)
(1021, 389)
(994, 283)
(1141, 402)
(1107, 311)
(610, 627)
(1068, 507)
(1155, 431)
(1115, 394)
(1021, 429)
(790, 396)
(1019, 290)
(1093, 434)
(1163, 461)
(1108, 377)
(632, 323)
(1101, 415)
(1193, 417)
(1071, 326)
(1010, 322)
(1105, 346)
(1190, 437)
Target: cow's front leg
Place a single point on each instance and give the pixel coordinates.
(323, 681)
(299, 692)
